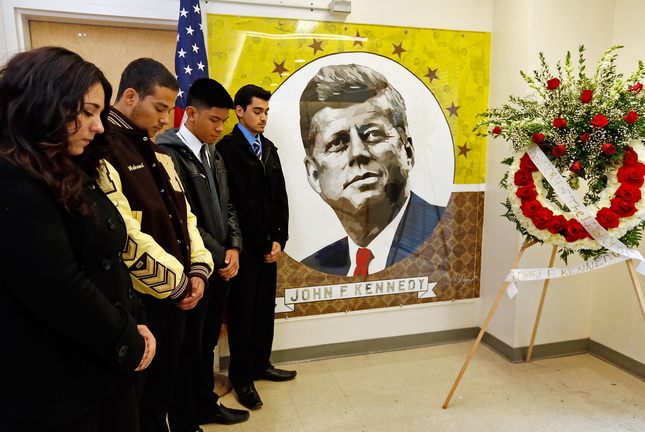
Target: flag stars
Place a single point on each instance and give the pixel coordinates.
(201, 66)
(190, 30)
(181, 53)
(398, 49)
(432, 74)
(195, 48)
(188, 70)
(183, 12)
(181, 93)
(453, 110)
(316, 46)
(196, 8)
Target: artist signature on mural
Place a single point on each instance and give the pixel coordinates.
(466, 281)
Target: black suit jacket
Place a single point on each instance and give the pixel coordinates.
(258, 192)
(419, 220)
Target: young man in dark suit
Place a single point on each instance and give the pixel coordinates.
(258, 192)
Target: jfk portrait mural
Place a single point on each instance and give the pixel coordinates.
(374, 126)
(359, 156)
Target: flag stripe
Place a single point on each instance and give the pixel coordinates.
(191, 62)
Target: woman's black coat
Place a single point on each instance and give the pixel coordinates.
(67, 307)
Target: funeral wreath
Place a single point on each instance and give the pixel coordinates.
(590, 130)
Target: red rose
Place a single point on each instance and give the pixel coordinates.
(537, 138)
(631, 174)
(636, 88)
(631, 117)
(607, 218)
(586, 96)
(574, 231)
(599, 121)
(527, 163)
(621, 207)
(530, 207)
(630, 157)
(575, 167)
(523, 177)
(553, 84)
(526, 192)
(559, 122)
(541, 218)
(558, 223)
(608, 148)
(584, 137)
(558, 150)
(629, 193)
(497, 130)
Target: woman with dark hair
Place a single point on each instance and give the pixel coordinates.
(71, 328)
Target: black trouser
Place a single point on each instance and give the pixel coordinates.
(251, 313)
(193, 396)
(167, 323)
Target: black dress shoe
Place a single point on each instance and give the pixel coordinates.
(225, 416)
(273, 374)
(248, 396)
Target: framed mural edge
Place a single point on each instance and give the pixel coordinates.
(410, 97)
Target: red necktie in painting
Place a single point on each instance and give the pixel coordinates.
(363, 258)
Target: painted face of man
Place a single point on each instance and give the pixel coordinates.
(359, 158)
(152, 113)
(88, 123)
(254, 117)
(207, 124)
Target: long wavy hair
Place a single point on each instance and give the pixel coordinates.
(41, 92)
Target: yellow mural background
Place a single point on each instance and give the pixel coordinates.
(453, 64)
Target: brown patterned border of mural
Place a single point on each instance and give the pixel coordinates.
(451, 257)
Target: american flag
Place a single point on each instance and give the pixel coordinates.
(190, 57)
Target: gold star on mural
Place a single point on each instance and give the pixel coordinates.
(398, 49)
(463, 150)
(432, 74)
(279, 68)
(358, 40)
(317, 46)
(453, 110)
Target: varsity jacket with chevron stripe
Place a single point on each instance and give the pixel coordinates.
(164, 247)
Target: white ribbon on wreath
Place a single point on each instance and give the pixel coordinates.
(618, 251)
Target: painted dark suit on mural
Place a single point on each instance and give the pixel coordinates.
(418, 222)
(358, 159)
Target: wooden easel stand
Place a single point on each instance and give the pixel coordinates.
(526, 245)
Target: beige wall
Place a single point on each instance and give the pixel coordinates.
(110, 48)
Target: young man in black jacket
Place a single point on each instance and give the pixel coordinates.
(260, 197)
(204, 178)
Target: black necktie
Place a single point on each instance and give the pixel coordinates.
(212, 189)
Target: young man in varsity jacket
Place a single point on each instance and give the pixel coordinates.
(165, 253)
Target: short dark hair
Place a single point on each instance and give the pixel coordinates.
(143, 75)
(42, 92)
(338, 86)
(244, 95)
(206, 93)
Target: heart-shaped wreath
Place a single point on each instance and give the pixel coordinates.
(590, 129)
